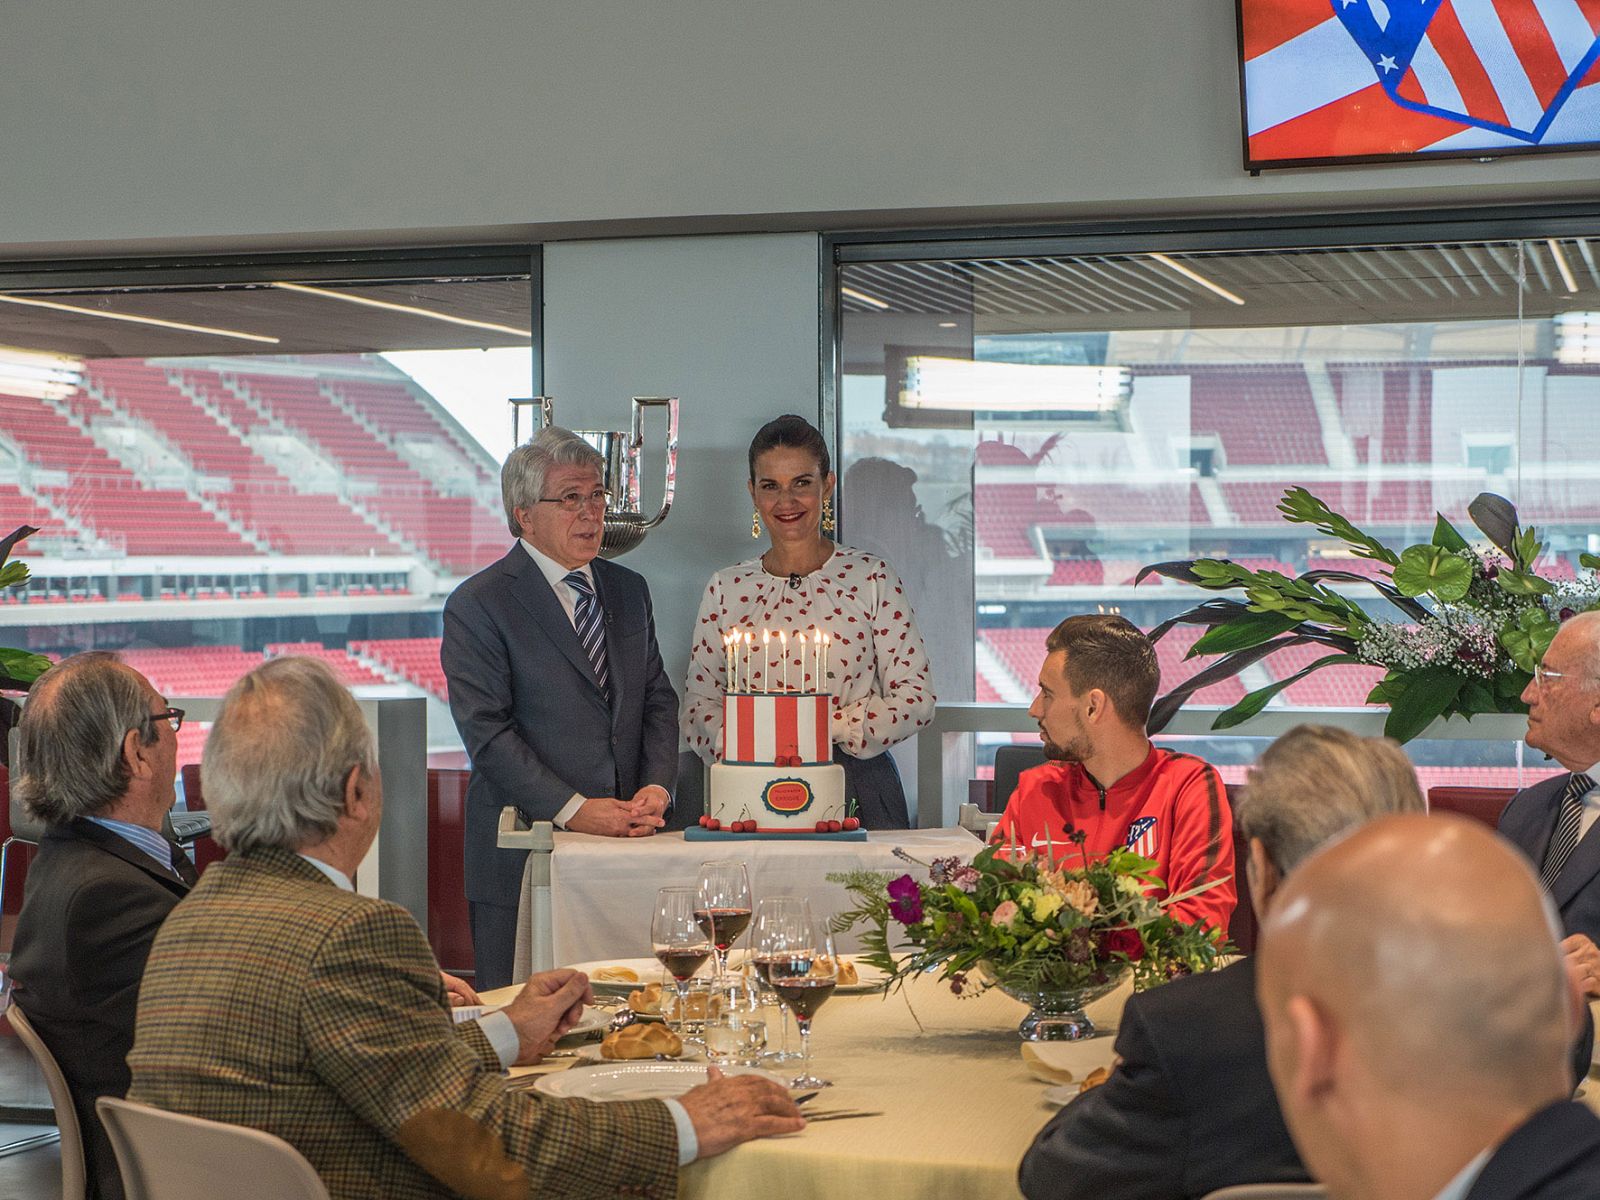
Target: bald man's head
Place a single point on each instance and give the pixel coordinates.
(1415, 963)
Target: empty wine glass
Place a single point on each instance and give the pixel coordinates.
(782, 927)
(724, 908)
(804, 978)
(678, 941)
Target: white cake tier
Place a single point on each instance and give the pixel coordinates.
(777, 799)
(776, 728)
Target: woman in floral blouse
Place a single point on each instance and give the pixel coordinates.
(875, 665)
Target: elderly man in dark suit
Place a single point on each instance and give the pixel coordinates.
(556, 685)
(1418, 1020)
(277, 997)
(98, 758)
(1189, 1107)
(1553, 821)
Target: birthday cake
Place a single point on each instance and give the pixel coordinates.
(777, 773)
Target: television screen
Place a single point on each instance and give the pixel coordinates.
(1340, 81)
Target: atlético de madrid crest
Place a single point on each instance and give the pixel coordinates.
(1142, 837)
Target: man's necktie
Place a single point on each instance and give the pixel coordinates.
(1568, 824)
(590, 623)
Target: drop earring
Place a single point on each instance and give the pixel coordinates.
(827, 516)
(755, 524)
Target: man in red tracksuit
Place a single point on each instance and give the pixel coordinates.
(1107, 781)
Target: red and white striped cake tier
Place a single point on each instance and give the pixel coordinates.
(766, 729)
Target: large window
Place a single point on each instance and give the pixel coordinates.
(1020, 433)
(227, 462)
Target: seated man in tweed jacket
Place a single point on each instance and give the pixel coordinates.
(278, 998)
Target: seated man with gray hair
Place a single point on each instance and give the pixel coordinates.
(278, 998)
(556, 685)
(1189, 1106)
(97, 759)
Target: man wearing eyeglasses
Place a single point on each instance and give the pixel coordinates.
(97, 763)
(1553, 821)
(556, 685)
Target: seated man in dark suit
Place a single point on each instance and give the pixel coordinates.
(1418, 1018)
(1189, 1107)
(1553, 821)
(98, 759)
(278, 998)
(556, 685)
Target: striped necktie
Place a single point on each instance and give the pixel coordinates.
(590, 623)
(1568, 826)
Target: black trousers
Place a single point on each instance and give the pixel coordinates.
(494, 944)
(874, 784)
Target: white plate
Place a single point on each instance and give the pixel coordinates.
(591, 1052)
(868, 978)
(636, 1080)
(649, 970)
(593, 1021)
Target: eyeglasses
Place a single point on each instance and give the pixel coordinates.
(1541, 674)
(172, 716)
(578, 501)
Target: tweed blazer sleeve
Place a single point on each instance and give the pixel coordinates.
(377, 1034)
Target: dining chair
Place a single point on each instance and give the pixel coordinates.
(168, 1156)
(72, 1164)
(1269, 1191)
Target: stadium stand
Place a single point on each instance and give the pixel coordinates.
(350, 672)
(1227, 401)
(415, 659)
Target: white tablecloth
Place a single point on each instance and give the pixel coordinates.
(603, 890)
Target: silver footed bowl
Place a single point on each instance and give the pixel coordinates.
(1056, 1014)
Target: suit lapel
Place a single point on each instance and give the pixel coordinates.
(535, 594)
(1534, 821)
(120, 847)
(1580, 869)
(605, 594)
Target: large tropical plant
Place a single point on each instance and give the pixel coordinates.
(18, 668)
(1474, 621)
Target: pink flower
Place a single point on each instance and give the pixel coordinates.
(1005, 914)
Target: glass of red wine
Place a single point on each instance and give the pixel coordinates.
(678, 941)
(804, 978)
(782, 927)
(724, 907)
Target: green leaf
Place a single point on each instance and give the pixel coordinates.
(1478, 697)
(1592, 561)
(1428, 694)
(1497, 517)
(1257, 700)
(1245, 630)
(1432, 570)
(1519, 584)
(22, 665)
(1302, 508)
(13, 574)
(1445, 535)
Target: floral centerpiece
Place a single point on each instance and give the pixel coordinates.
(1474, 620)
(1053, 934)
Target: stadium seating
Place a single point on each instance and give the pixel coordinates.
(416, 659)
(1228, 401)
(350, 672)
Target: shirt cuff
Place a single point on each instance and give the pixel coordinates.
(569, 810)
(688, 1143)
(502, 1035)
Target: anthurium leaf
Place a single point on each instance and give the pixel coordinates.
(1446, 536)
(21, 666)
(15, 536)
(1427, 694)
(1497, 517)
(1257, 700)
(1249, 629)
(1181, 569)
(1592, 561)
(1425, 570)
(1520, 584)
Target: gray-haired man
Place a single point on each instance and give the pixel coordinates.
(98, 757)
(556, 685)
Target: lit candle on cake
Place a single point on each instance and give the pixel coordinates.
(783, 649)
(802, 636)
(766, 660)
(816, 653)
(749, 652)
(827, 641)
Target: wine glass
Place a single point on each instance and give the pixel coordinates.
(678, 941)
(724, 908)
(782, 927)
(804, 979)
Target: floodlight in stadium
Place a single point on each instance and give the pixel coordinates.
(33, 302)
(863, 297)
(1191, 274)
(1577, 338)
(40, 376)
(958, 384)
(391, 306)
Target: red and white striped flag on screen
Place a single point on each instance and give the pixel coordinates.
(1367, 78)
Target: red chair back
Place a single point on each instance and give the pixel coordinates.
(449, 927)
(1480, 803)
(206, 851)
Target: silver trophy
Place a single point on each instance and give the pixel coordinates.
(625, 524)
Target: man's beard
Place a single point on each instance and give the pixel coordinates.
(1074, 751)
